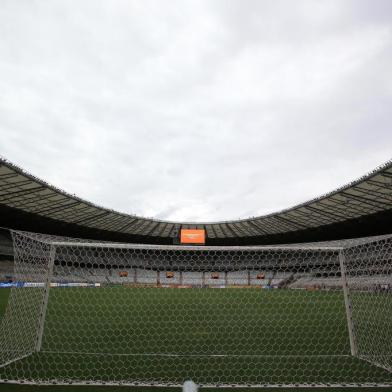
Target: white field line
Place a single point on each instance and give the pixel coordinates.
(198, 355)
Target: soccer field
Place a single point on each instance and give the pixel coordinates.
(213, 336)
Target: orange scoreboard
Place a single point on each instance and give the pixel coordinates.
(193, 236)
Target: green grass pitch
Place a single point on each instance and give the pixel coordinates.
(213, 336)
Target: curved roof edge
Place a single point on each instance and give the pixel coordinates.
(25, 199)
(379, 168)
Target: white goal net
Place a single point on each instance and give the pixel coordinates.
(108, 313)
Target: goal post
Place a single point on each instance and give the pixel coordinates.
(20, 324)
(44, 306)
(89, 312)
(368, 276)
(347, 304)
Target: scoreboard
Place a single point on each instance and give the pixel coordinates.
(193, 236)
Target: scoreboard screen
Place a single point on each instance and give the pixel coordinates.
(193, 236)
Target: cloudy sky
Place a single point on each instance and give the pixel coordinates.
(196, 110)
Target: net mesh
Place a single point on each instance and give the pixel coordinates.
(308, 314)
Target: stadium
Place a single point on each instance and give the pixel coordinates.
(92, 296)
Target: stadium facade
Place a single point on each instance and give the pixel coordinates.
(361, 208)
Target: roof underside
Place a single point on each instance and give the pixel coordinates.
(23, 195)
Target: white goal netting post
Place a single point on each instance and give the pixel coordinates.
(109, 313)
(22, 323)
(368, 274)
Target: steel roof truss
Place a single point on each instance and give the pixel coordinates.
(12, 185)
(57, 207)
(365, 200)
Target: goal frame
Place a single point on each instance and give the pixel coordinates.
(55, 242)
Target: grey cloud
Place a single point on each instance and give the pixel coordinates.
(199, 110)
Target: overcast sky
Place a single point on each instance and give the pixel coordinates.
(196, 110)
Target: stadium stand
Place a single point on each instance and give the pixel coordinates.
(361, 208)
(6, 270)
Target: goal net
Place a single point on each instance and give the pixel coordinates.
(109, 313)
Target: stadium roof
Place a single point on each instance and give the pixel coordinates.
(363, 207)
